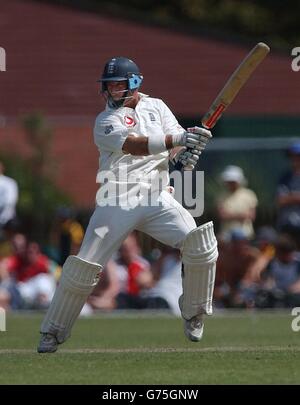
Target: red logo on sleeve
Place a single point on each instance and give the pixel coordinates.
(129, 121)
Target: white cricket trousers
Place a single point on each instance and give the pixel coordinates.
(109, 226)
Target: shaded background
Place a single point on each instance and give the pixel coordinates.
(186, 49)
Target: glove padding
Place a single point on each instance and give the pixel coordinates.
(193, 138)
(187, 157)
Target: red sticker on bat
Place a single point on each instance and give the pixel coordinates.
(215, 116)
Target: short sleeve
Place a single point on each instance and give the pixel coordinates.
(109, 136)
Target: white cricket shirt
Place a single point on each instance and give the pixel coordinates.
(8, 198)
(112, 126)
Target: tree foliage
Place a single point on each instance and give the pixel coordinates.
(39, 197)
(274, 21)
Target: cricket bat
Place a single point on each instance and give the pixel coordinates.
(233, 85)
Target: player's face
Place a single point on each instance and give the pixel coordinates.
(117, 89)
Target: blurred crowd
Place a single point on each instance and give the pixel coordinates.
(257, 267)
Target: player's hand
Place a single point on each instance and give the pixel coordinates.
(203, 135)
(188, 158)
(193, 138)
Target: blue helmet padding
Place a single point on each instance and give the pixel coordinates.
(134, 81)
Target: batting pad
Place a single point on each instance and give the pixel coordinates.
(77, 281)
(199, 256)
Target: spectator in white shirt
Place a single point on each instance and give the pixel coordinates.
(8, 197)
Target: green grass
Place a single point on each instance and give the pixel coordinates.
(244, 348)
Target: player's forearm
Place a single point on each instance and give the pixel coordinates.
(139, 145)
(194, 139)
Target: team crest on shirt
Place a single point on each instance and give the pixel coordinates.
(129, 121)
(108, 129)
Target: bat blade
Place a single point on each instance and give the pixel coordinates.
(233, 85)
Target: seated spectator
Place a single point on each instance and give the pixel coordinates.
(67, 234)
(280, 286)
(265, 242)
(235, 258)
(28, 275)
(236, 207)
(168, 287)
(105, 293)
(288, 196)
(134, 274)
(9, 230)
(250, 282)
(8, 198)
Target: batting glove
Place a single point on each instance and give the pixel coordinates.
(193, 138)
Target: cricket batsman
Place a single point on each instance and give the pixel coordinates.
(136, 136)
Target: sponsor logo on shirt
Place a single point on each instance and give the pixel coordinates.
(152, 116)
(129, 121)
